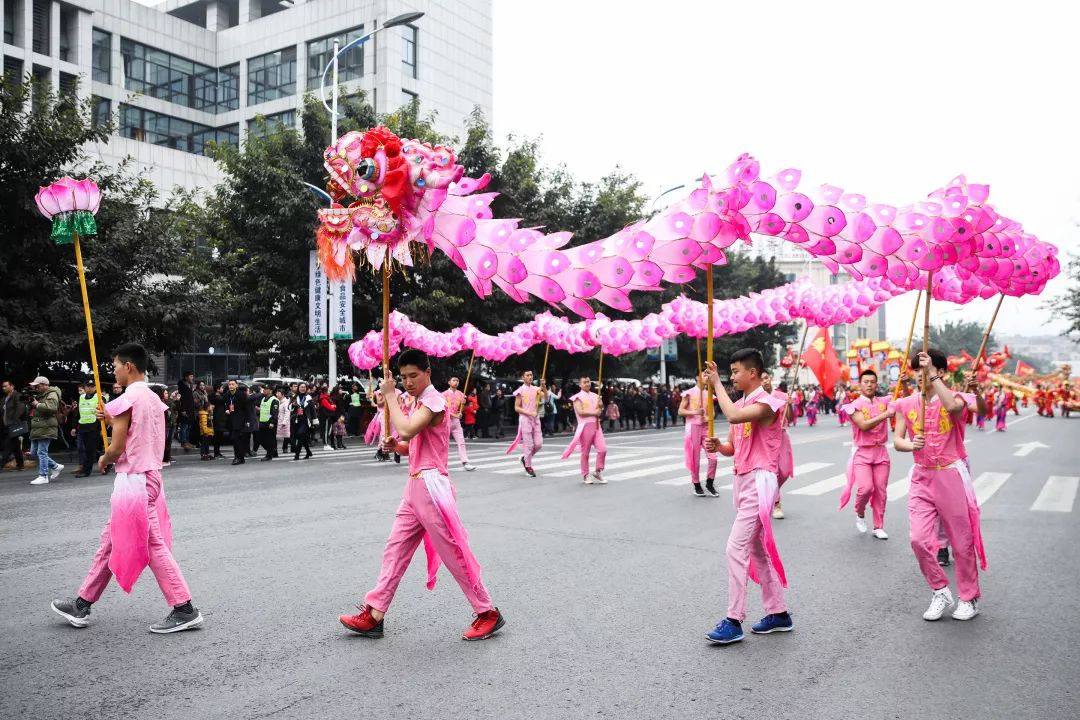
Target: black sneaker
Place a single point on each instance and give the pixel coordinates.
(177, 621)
(69, 610)
(698, 490)
(528, 470)
(397, 458)
(709, 489)
(943, 556)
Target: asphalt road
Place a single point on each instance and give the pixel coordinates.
(607, 591)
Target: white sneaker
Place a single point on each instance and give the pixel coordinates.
(860, 524)
(327, 447)
(56, 472)
(777, 512)
(965, 610)
(468, 467)
(938, 604)
(599, 478)
(40, 480)
(587, 479)
(880, 534)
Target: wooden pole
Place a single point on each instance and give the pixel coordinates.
(798, 357)
(386, 331)
(907, 348)
(468, 374)
(926, 348)
(90, 336)
(986, 335)
(698, 342)
(600, 369)
(709, 348)
(543, 371)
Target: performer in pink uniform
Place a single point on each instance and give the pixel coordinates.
(786, 460)
(428, 511)
(527, 399)
(941, 487)
(1001, 409)
(589, 434)
(692, 410)
(756, 436)
(139, 531)
(841, 401)
(869, 464)
(455, 406)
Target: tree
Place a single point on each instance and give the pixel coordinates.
(955, 336)
(136, 290)
(1067, 307)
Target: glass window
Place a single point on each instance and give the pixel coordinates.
(9, 22)
(409, 36)
(149, 126)
(271, 123)
(320, 52)
(42, 26)
(102, 56)
(101, 112)
(169, 77)
(408, 98)
(272, 76)
(228, 88)
(13, 68)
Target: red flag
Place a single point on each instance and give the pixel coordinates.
(1022, 368)
(821, 359)
(789, 359)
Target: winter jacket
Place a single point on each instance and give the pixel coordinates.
(43, 424)
(14, 411)
(206, 427)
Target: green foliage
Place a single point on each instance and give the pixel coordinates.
(135, 266)
(1067, 306)
(955, 336)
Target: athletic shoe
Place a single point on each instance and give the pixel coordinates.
(397, 458)
(587, 479)
(860, 524)
(698, 491)
(327, 447)
(880, 534)
(69, 610)
(267, 458)
(599, 478)
(709, 489)
(777, 512)
(528, 470)
(40, 480)
(56, 472)
(468, 466)
(178, 620)
(776, 622)
(938, 604)
(727, 632)
(965, 610)
(943, 556)
(484, 625)
(362, 623)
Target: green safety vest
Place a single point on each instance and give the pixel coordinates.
(87, 409)
(356, 399)
(264, 409)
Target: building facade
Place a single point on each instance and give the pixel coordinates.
(183, 73)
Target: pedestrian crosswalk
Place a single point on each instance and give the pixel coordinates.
(666, 468)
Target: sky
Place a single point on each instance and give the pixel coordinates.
(888, 100)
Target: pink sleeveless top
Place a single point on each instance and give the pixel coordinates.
(590, 401)
(698, 399)
(430, 449)
(870, 409)
(146, 431)
(529, 394)
(757, 447)
(944, 433)
(455, 399)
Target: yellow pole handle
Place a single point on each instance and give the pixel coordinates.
(468, 373)
(907, 349)
(543, 372)
(600, 370)
(90, 336)
(986, 335)
(709, 348)
(386, 331)
(926, 348)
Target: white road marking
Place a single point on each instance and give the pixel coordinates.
(1057, 495)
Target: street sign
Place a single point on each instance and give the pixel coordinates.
(317, 300)
(341, 309)
(670, 348)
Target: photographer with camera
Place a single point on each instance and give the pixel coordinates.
(44, 428)
(13, 425)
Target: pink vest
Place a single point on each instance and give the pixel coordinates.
(590, 402)
(146, 431)
(870, 409)
(430, 449)
(944, 433)
(529, 394)
(757, 447)
(456, 401)
(698, 399)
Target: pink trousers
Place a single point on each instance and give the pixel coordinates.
(162, 563)
(532, 437)
(871, 468)
(418, 514)
(590, 438)
(939, 495)
(459, 437)
(693, 443)
(746, 545)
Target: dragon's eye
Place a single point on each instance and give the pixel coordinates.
(367, 168)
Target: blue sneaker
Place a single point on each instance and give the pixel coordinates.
(779, 622)
(727, 632)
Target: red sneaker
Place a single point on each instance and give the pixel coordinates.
(363, 624)
(485, 625)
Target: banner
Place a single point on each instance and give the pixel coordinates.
(670, 348)
(341, 309)
(316, 300)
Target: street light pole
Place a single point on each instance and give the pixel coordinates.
(403, 19)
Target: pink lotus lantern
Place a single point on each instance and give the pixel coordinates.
(71, 205)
